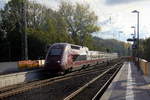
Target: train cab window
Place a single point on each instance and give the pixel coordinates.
(55, 51)
(75, 47)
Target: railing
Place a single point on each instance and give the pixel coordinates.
(11, 67)
(28, 64)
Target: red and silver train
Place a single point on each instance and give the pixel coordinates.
(63, 57)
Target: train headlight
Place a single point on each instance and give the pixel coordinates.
(58, 61)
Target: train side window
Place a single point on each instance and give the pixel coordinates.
(74, 57)
(79, 57)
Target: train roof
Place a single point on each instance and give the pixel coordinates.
(80, 47)
(69, 44)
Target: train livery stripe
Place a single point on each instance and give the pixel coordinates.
(87, 61)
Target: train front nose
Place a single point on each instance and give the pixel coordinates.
(54, 58)
(53, 64)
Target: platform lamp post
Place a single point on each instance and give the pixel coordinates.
(137, 12)
(134, 41)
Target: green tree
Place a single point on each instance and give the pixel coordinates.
(36, 14)
(1, 31)
(146, 51)
(11, 24)
(51, 30)
(71, 23)
(1, 34)
(80, 20)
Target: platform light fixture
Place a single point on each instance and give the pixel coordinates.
(137, 12)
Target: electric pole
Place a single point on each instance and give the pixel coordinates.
(24, 34)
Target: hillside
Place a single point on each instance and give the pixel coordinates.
(110, 45)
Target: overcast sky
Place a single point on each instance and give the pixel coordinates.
(115, 17)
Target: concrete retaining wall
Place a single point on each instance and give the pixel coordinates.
(7, 67)
(148, 69)
(144, 66)
(17, 78)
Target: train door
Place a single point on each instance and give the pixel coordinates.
(69, 61)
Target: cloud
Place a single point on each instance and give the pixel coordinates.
(105, 22)
(115, 2)
(48, 3)
(2, 3)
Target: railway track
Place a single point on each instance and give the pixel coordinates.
(25, 83)
(14, 90)
(94, 89)
(104, 87)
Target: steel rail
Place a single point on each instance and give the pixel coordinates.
(4, 89)
(32, 85)
(101, 91)
(69, 97)
(74, 72)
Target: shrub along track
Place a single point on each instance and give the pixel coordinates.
(38, 89)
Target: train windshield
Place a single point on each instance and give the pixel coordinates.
(56, 52)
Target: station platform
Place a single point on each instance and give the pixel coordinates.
(129, 84)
